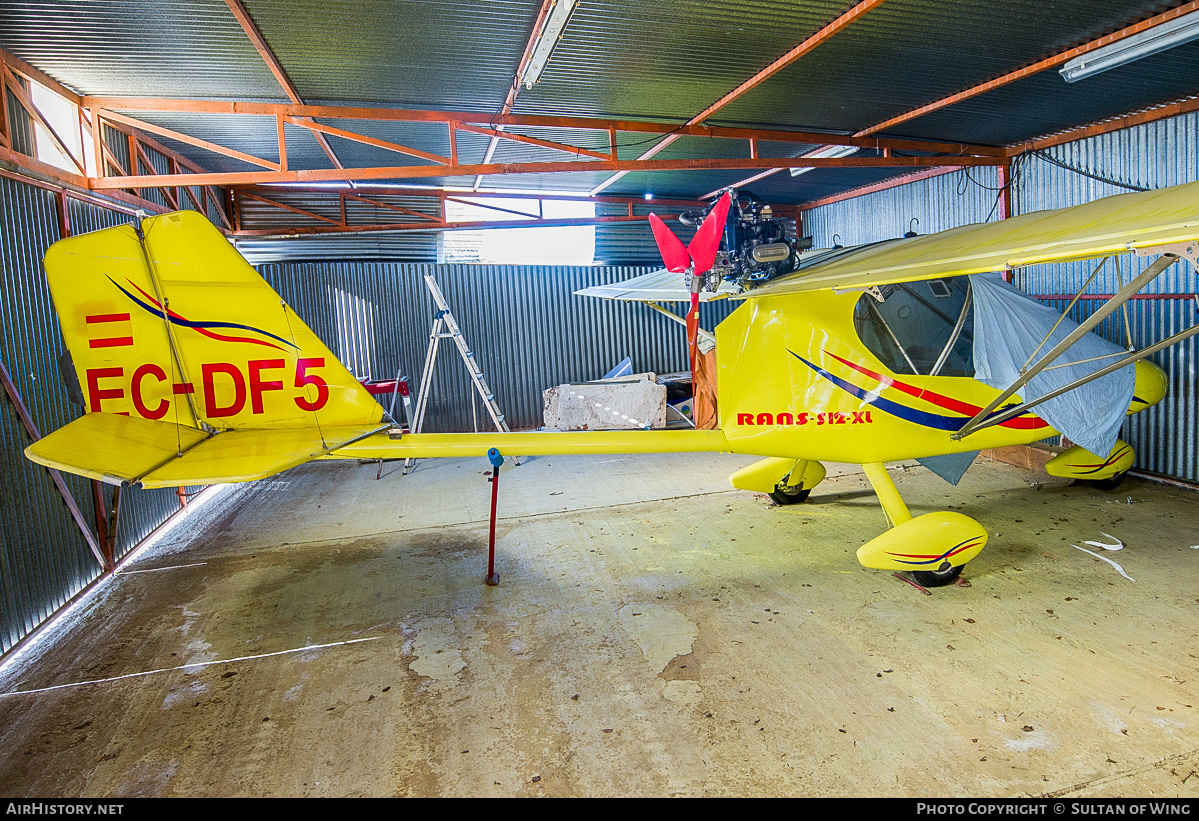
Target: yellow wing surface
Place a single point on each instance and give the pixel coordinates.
(1111, 225)
(173, 330)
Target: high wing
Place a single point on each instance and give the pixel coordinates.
(1112, 225)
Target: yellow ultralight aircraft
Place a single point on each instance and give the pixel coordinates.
(194, 371)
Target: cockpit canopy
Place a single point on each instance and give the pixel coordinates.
(921, 328)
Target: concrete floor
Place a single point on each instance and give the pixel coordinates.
(654, 633)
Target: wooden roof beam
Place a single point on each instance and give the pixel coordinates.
(496, 134)
(532, 121)
(318, 128)
(26, 102)
(112, 116)
(531, 222)
(425, 171)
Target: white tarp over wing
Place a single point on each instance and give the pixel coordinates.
(1009, 325)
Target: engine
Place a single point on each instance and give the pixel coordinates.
(756, 247)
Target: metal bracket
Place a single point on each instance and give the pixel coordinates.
(1187, 250)
(872, 290)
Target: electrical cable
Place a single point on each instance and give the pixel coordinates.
(1098, 177)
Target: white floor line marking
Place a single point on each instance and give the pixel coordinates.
(1119, 545)
(195, 666)
(173, 567)
(1119, 569)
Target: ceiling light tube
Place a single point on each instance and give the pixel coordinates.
(551, 32)
(828, 152)
(1159, 38)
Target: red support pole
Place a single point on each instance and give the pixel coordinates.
(493, 578)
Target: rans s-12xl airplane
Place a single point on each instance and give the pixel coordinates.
(193, 371)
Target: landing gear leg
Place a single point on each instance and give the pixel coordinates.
(933, 547)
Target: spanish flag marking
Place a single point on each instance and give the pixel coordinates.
(109, 330)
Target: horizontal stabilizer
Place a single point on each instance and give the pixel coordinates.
(127, 449)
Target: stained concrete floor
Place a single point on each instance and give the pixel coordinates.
(654, 633)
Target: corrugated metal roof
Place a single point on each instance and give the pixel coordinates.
(193, 49)
(629, 58)
(616, 59)
(1040, 104)
(448, 54)
(907, 53)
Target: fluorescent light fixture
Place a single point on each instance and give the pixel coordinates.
(555, 24)
(1159, 38)
(828, 152)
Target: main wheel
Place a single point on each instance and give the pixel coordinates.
(783, 495)
(939, 577)
(1106, 484)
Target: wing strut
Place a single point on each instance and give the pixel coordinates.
(707, 336)
(984, 419)
(1115, 366)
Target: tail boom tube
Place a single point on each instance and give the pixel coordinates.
(433, 445)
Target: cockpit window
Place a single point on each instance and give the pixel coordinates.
(920, 328)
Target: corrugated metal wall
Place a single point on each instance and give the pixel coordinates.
(44, 559)
(1153, 155)
(527, 328)
(1147, 156)
(935, 204)
(529, 331)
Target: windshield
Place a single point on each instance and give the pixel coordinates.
(920, 328)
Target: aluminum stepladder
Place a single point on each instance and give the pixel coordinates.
(446, 327)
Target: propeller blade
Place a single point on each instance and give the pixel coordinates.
(674, 253)
(706, 241)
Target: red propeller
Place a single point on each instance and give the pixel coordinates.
(699, 255)
(706, 241)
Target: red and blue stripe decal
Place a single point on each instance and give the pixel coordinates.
(1115, 457)
(924, 559)
(202, 327)
(926, 419)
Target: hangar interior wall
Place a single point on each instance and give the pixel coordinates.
(1153, 155)
(525, 325)
(530, 332)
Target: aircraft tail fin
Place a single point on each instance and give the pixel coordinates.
(167, 322)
